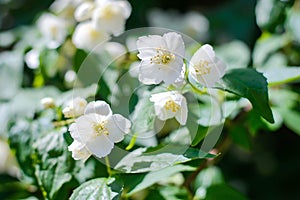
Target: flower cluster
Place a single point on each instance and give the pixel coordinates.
(98, 20)
(162, 61)
(95, 130)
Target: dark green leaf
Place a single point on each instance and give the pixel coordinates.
(252, 85)
(223, 192)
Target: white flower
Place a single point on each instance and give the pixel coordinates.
(53, 29)
(170, 104)
(79, 151)
(87, 37)
(84, 11)
(32, 59)
(98, 129)
(205, 67)
(75, 108)
(48, 102)
(162, 58)
(111, 15)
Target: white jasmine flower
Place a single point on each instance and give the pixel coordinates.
(98, 129)
(111, 15)
(162, 58)
(170, 104)
(75, 108)
(205, 67)
(53, 29)
(47, 102)
(79, 151)
(84, 11)
(87, 37)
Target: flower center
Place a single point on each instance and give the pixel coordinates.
(202, 67)
(171, 105)
(162, 57)
(108, 12)
(100, 128)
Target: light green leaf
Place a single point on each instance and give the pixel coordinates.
(252, 85)
(293, 22)
(97, 189)
(291, 119)
(11, 74)
(266, 45)
(156, 176)
(205, 179)
(235, 54)
(153, 159)
(174, 193)
(143, 121)
(282, 75)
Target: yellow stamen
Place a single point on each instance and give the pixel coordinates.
(171, 105)
(162, 57)
(202, 67)
(100, 128)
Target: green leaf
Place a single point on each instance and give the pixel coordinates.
(223, 192)
(239, 136)
(266, 46)
(282, 75)
(97, 189)
(252, 85)
(207, 178)
(11, 73)
(174, 193)
(237, 57)
(291, 119)
(156, 176)
(143, 121)
(157, 158)
(293, 21)
(53, 164)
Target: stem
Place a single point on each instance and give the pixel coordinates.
(63, 123)
(132, 142)
(108, 166)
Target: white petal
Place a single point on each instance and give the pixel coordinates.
(87, 37)
(84, 11)
(181, 115)
(79, 151)
(175, 44)
(83, 128)
(149, 74)
(147, 45)
(216, 73)
(117, 126)
(205, 52)
(98, 107)
(100, 146)
(126, 8)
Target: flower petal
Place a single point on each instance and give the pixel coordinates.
(79, 151)
(100, 146)
(117, 126)
(149, 74)
(182, 114)
(175, 44)
(98, 107)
